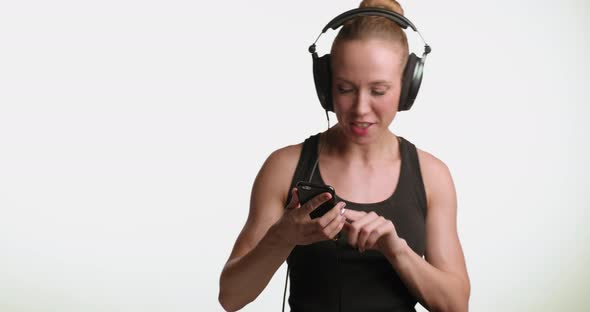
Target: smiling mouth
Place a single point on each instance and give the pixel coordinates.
(362, 125)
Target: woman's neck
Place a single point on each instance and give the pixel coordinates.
(336, 144)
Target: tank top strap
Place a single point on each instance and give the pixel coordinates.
(307, 158)
(413, 168)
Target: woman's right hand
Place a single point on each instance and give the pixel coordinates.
(296, 227)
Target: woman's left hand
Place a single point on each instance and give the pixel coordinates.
(371, 231)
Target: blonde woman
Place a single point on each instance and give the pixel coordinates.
(395, 203)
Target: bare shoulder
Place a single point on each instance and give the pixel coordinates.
(436, 176)
(278, 169)
(268, 197)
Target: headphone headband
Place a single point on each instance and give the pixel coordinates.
(337, 21)
(399, 19)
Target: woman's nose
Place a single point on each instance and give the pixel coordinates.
(362, 103)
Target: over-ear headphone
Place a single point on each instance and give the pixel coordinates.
(412, 75)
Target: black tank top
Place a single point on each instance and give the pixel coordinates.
(331, 275)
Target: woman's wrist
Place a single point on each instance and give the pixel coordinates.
(397, 250)
(274, 238)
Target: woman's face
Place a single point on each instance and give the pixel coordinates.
(366, 84)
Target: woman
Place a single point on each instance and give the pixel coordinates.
(400, 201)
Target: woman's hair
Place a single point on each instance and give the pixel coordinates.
(375, 27)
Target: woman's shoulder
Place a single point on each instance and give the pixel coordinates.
(429, 161)
(288, 156)
(435, 174)
(429, 164)
(279, 168)
(285, 157)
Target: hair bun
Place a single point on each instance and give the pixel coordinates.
(391, 5)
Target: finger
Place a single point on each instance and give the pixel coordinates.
(357, 225)
(329, 231)
(333, 213)
(338, 228)
(319, 224)
(353, 215)
(334, 225)
(315, 202)
(294, 202)
(383, 229)
(367, 231)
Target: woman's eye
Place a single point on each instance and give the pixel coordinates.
(378, 93)
(344, 90)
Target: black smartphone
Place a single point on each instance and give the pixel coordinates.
(307, 191)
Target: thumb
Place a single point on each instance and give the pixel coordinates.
(294, 203)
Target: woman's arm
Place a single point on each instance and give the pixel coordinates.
(441, 282)
(258, 252)
(272, 231)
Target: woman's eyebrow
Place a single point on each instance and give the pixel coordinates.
(380, 82)
(340, 78)
(376, 82)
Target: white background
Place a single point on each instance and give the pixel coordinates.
(131, 132)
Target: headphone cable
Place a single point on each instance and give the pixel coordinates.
(310, 176)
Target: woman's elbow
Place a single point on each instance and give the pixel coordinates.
(451, 307)
(224, 297)
(230, 300)
(460, 298)
(460, 304)
(457, 301)
(226, 302)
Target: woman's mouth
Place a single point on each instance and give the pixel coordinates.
(361, 128)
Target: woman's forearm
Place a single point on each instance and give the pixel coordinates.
(244, 278)
(436, 289)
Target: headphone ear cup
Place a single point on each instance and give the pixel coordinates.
(322, 76)
(411, 80)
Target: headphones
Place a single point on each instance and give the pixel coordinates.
(412, 75)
